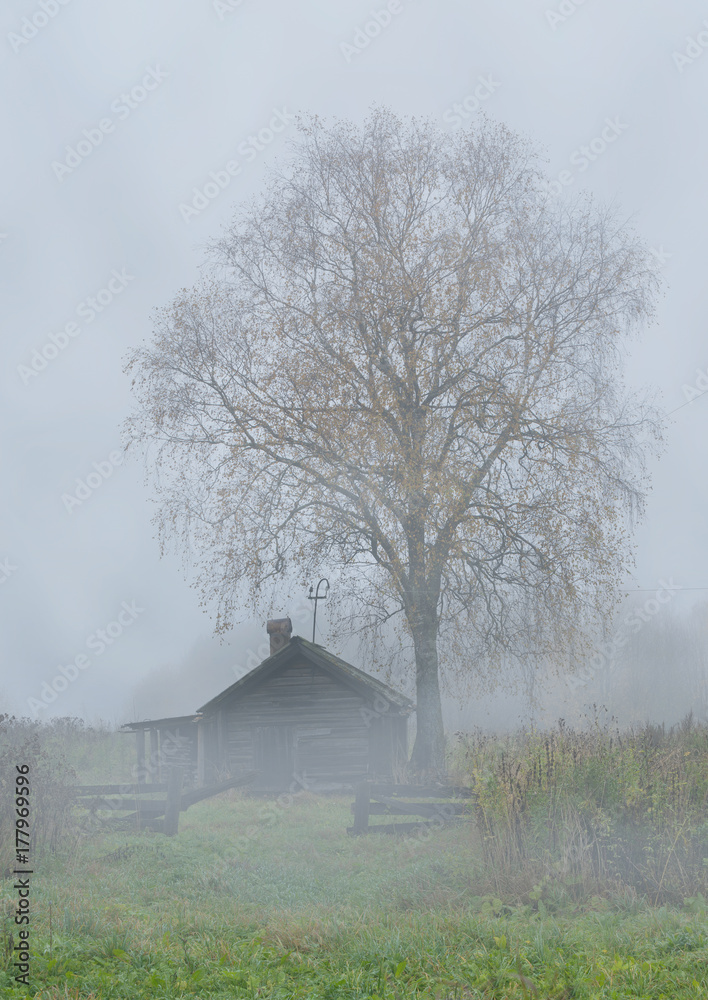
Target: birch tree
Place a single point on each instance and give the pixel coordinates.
(404, 365)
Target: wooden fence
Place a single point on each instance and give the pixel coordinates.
(388, 800)
(161, 814)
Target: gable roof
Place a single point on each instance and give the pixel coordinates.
(364, 684)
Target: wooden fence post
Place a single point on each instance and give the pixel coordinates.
(361, 807)
(174, 800)
(154, 757)
(140, 743)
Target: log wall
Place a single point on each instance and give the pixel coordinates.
(301, 723)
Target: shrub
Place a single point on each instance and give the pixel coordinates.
(593, 809)
(42, 747)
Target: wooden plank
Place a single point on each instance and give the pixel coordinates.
(275, 756)
(174, 801)
(361, 808)
(140, 747)
(220, 734)
(82, 791)
(146, 810)
(423, 791)
(197, 794)
(201, 753)
(176, 751)
(155, 758)
(123, 804)
(391, 807)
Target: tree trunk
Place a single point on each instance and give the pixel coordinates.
(428, 757)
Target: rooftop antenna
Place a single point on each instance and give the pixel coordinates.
(317, 597)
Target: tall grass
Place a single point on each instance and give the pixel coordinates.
(60, 752)
(592, 809)
(51, 778)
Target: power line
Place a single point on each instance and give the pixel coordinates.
(680, 407)
(651, 590)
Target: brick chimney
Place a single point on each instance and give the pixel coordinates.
(279, 630)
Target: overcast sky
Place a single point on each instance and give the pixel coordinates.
(114, 117)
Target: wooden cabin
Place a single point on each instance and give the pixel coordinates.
(303, 717)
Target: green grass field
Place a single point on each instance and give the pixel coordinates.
(582, 873)
(253, 899)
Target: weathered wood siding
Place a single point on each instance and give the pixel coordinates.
(304, 721)
(177, 747)
(387, 744)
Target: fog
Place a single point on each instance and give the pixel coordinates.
(115, 119)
